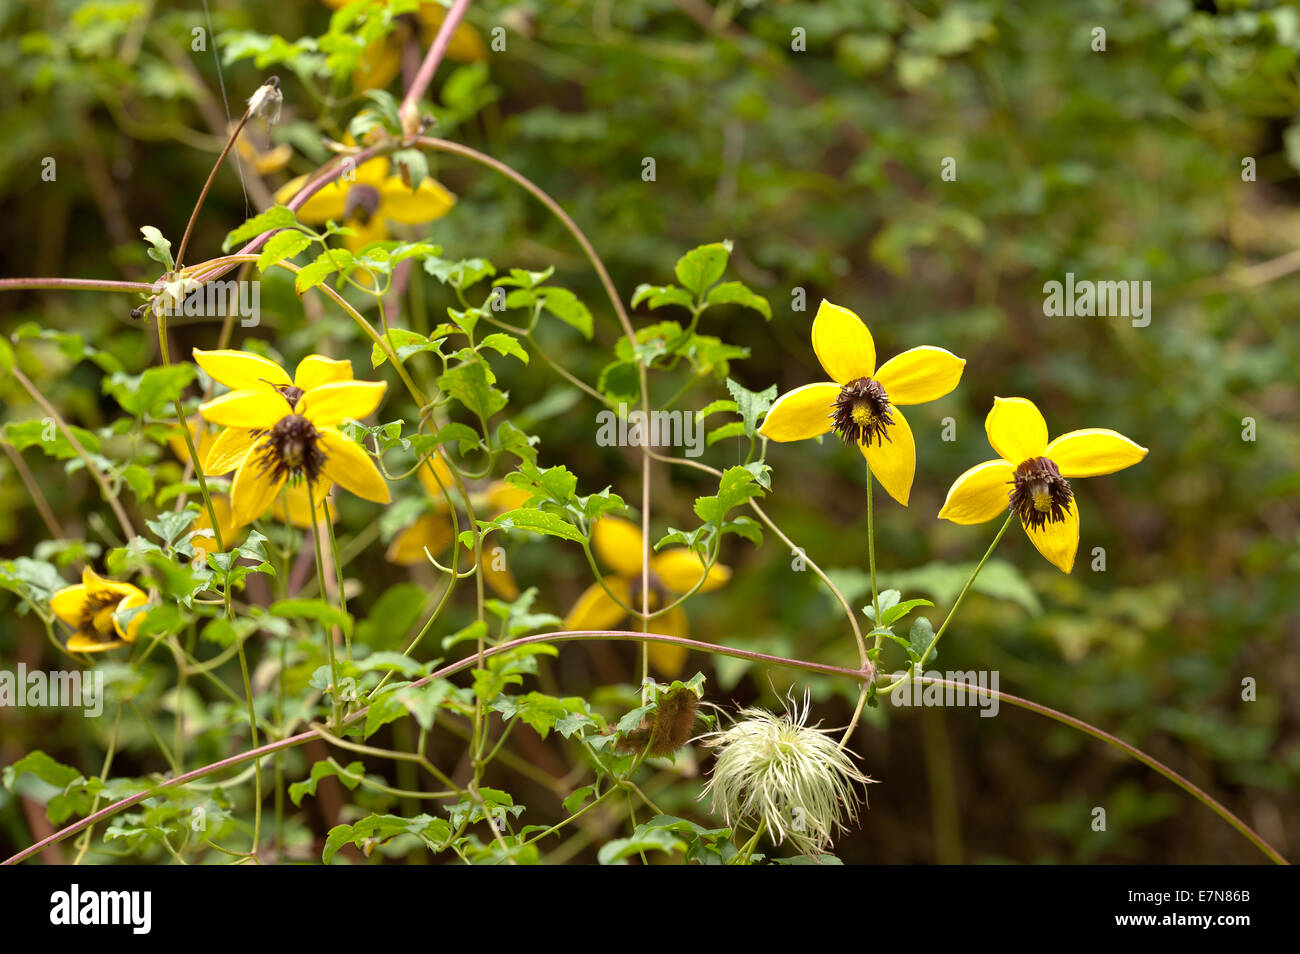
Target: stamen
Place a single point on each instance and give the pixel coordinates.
(861, 414)
(293, 449)
(97, 617)
(1039, 494)
(361, 203)
(289, 392)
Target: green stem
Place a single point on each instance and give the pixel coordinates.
(335, 688)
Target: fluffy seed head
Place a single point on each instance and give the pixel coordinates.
(779, 770)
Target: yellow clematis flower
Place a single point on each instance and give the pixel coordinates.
(369, 201)
(279, 430)
(435, 531)
(383, 59)
(673, 571)
(860, 402)
(1031, 476)
(89, 608)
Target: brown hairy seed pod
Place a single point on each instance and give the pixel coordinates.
(666, 729)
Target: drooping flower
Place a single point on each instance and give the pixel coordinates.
(1032, 476)
(861, 402)
(434, 530)
(368, 201)
(782, 772)
(383, 59)
(280, 430)
(673, 571)
(90, 608)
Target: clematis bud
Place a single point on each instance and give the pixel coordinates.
(266, 101)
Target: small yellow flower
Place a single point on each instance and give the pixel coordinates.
(435, 532)
(1031, 476)
(860, 402)
(279, 430)
(673, 571)
(89, 608)
(383, 59)
(369, 201)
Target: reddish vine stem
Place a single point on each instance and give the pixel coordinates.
(622, 635)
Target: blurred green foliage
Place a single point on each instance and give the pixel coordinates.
(811, 135)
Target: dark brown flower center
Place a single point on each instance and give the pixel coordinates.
(362, 202)
(97, 617)
(861, 413)
(292, 449)
(1039, 494)
(658, 592)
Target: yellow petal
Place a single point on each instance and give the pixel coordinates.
(331, 403)
(920, 375)
(843, 344)
(435, 465)
(893, 461)
(466, 45)
(372, 172)
(246, 409)
(431, 530)
(69, 603)
(241, 370)
(80, 643)
(497, 575)
(349, 466)
(502, 496)
(667, 659)
(802, 413)
(328, 202)
(1094, 451)
(97, 585)
(618, 543)
(680, 568)
(294, 505)
(595, 609)
(399, 203)
(380, 63)
(1016, 429)
(228, 451)
(980, 494)
(253, 490)
(225, 521)
(1059, 541)
(315, 370)
(133, 627)
(365, 232)
(199, 433)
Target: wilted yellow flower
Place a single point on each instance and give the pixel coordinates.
(383, 59)
(1031, 475)
(369, 201)
(673, 571)
(264, 161)
(434, 531)
(861, 402)
(282, 431)
(90, 608)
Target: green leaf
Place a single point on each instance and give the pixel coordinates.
(472, 385)
(276, 217)
(327, 768)
(317, 610)
(735, 293)
(701, 267)
(503, 343)
(536, 521)
(282, 245)
(919, 637)
(660, 295)
(751, 405)
(147, 393)
(897, 612)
